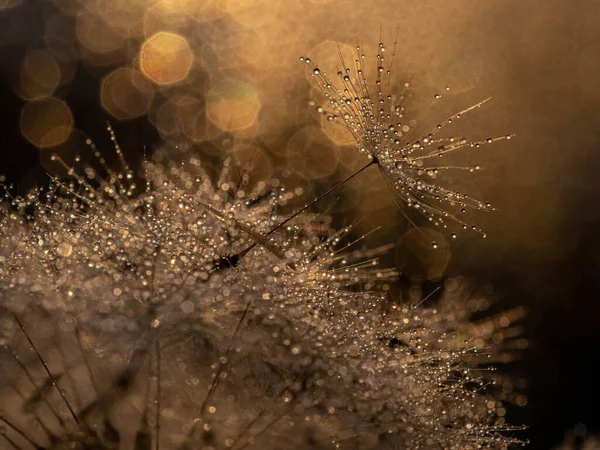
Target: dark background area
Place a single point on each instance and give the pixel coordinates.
(541, 60)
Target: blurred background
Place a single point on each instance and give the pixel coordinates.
(222, 77)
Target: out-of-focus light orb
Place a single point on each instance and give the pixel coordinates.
(163, 118)
(46, 122)
(311, 154)
(40, 75)
(351, 158)
(244, 50)
(423, 254)
(192, 120)
(253, 162)
(59, 40)
(96, 35)
(328, 55)
(254, 14)
(337, 133)
(177, 14)
(166, 58)
(173, 15)
(126, 93)
(123, 16)
(233, 105)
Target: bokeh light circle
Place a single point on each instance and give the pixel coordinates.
(254, 163)
(192, 120)
(126, 93)
(40, 74)
(337, 133)
(46, 122)
(233, 105)
(166, 58)
(96, 35)
(311, 154)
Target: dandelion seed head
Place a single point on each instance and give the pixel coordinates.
(379, 117)
(181, 311)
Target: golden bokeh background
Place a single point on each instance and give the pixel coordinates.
(219, 78)
(204, 71)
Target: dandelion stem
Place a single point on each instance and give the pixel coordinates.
(156, 444)
(35, 413)
(308, 205)
(10, 441)
(223, 365)
(86, 362)
(329, 191)
(21, 433)
(54, 383)
(269, 425)
(43, 398)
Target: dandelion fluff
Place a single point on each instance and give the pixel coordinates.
(189, 313)
(378, 115)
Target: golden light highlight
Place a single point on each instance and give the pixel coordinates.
(47, 122)
(126, 94)
(39, 76)
(339, 135)
(162, 16)
(178, 13)
(163, 118)
(123, 16)
(166, 58)
(233, 105)
(191, 119)
(328, 52)
(254, 162)
(96, 35)
(255, 14)
(311, 154)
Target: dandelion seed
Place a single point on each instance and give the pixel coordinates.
(377, 116)
(214, 324)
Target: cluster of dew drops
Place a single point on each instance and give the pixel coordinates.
(377, 119)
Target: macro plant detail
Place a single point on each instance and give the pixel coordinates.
(378, 116)
(168, 308)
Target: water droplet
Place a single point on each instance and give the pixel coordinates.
(64, 249)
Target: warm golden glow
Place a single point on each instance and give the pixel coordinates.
(166, 58)
(191, 119)
(96, 35)
(233, 105)
(47, 122)
(311, 154)
(40, 75)
(254, 163)
(126, 93)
